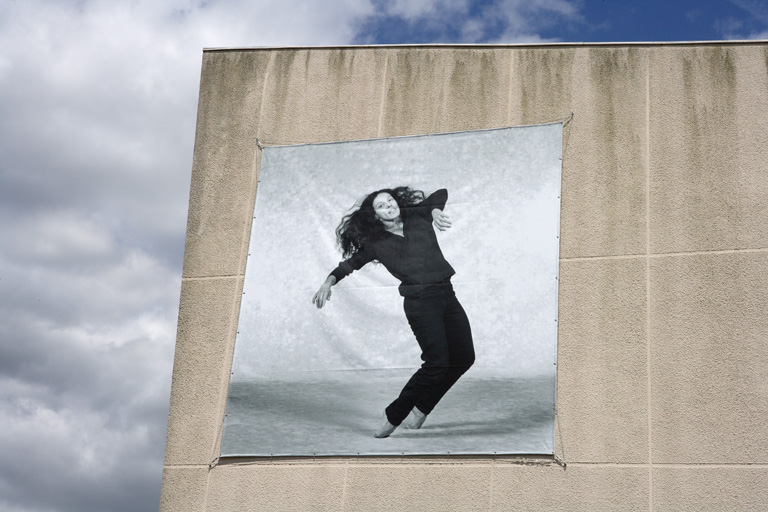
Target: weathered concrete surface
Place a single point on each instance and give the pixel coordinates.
(467, 89)
(709, 358)
(725, 489)
(709, 147)
(189, 488)
(602, 353)
(664, 249)
(224, 168)
(576, 489)
(205, 341)
(322, 96)
(277, 487)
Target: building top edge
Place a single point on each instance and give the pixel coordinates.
(508, 45)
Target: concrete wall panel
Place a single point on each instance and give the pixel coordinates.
(602, 399)
(201, 368)
(575, 489)
(184, 489)
(724, 489)
(321, 96)
(465, 487)
(461, 90)
(709, 147)
(287, 488)
(709, 360)
(224, 166)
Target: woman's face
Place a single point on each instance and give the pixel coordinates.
(386, 207)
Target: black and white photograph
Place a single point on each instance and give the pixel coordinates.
(400, 297)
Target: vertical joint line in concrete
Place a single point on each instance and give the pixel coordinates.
(383, 93)
(648, 271)
(493, 476)
(509, 86)
(344, 488)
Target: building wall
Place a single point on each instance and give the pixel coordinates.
(663, 335)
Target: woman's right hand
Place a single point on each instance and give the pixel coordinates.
(323, 295)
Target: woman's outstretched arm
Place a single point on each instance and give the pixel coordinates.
(345, 268)
(323, 295)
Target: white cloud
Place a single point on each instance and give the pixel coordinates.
(495, 21)
(523, 20)
(752, 25)
(58, 236)
(413, 10)
(756, 9)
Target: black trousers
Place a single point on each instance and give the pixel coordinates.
(442, 329)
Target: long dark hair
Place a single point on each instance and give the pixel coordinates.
(362, 226)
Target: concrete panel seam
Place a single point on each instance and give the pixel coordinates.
(212, 278)
(648, 274)
(705, 253)
(664, 255)
(344, 489)
(681, 465)
(509, 87)
(601, 258)
(491, 485)
(611, 464)
(714, 465)
(422, 465)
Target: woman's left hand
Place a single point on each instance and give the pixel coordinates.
(442, 220)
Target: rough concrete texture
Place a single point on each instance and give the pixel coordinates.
(709, 147)
(189, 484)
(467, 90)
(709, 361)
(575, 489)
(465, 487)
(288, 487)
(224, 168)
(604, 169)
(602, 353)
(206, 334)
(662, 369)
(724, 489)
(323, 96)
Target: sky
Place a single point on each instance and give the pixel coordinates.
(98, 102)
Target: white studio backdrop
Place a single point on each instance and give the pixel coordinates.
(504, 203)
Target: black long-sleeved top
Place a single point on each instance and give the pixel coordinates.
(414, 258)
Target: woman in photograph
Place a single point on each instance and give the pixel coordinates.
(395, 228)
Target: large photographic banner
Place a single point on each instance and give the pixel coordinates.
(442, 315)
